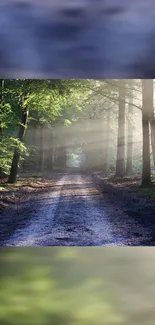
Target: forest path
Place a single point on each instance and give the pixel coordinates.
(74, 213)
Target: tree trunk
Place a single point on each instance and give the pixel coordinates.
(152, 125)
(50, 151)
(98, 145)
(16, 157)
(54, 149)
(146, 170)
(42, 153)
(152, 119)
(120, 161)
(60, 150)
(107, 143)
(130, 136)
(61, 158)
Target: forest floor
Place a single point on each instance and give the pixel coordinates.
(137, 203)
(68, 209)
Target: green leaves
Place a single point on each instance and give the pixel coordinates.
(67, 123)
(7, 145)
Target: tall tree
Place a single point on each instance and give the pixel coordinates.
(16, 155)
(152, 118)
(146, 113)
(42, 149)
(130, 132)
(107, 142)
(120, 160)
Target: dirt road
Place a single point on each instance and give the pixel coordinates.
(74, 213)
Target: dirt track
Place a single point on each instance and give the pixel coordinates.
(73, 213)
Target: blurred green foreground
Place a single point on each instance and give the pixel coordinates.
(77, 286)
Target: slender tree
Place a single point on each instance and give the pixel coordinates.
(16, 155)
(107, 142)
(42, 149)
(152, 118)
(146, 112)
(130, 133)
(120, 160)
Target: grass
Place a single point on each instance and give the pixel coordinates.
(148, 192)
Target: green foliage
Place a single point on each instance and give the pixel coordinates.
(148, 192)
(67, 122)
(44, 103)
(65, 104)
(7, 145)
